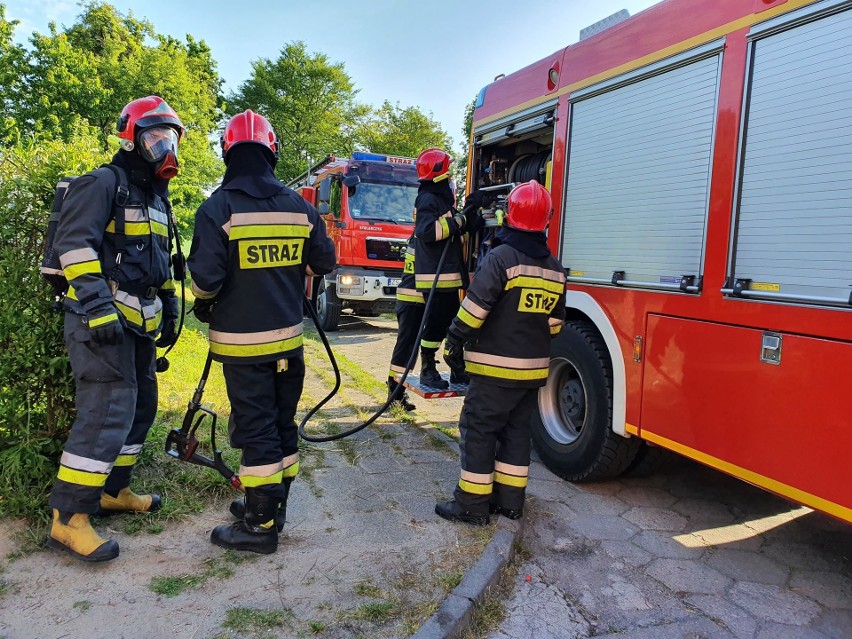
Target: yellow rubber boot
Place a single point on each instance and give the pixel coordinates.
(128, 501)
(74, 534)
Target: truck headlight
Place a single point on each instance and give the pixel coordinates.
(350, 280)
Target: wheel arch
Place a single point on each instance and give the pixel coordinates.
(582, 306)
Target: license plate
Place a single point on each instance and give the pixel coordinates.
(393, 281)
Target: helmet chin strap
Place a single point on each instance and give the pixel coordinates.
(168, 167)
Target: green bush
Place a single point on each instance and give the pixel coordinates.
(36, 386)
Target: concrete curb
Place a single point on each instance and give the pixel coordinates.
(454, 614)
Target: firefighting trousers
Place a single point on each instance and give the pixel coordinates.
(441, 314)
(409, 316)
(495, 446)
(116, 400)
(264, 398)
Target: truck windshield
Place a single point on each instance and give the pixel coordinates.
(385, 202)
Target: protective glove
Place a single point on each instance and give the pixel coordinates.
(168, 334)
(454, 353)
(105, 326)
(478, 199)
(203, 310)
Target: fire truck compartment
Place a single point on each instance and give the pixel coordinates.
(738, 395)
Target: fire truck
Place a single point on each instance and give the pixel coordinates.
(367, 201)
(699, 155)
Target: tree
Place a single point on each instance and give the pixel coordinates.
(12, 58)
(87, 73)
(395, 130)
(309, 101)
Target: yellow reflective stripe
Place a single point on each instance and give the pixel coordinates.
(169, 285)
(252, 481)
(453, 283)
(73, 271)
(535, 282)
(426, 344)
(81, 477)
(476, 489)
(159, 229)
(153, 323)
(269, 231)
(255, 350)
(71, 294)
(130, 314)
(200, 293)
(414, 299)
(100, 321)
(505, 373)
(469, 319)
(442, 229)
(291, 471)
(133, 228)
(126, 460)
(510, 480)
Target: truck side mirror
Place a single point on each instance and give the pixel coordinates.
(325, 192)
(351, 180)
(323, 208)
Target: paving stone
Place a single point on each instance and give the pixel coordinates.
(688, 576)
(664, 545)
(704, 512)
(747, 566)
(689, 629)
(603, 527)
(626, 596)
(783, 631)
(645, 496)
(734, 536)
(769, 604)
(727, 615)
(835, 624)
(626, 553)
(796, 555)
(588, 504)
(830, 589)
(655, 519)
(558, 491)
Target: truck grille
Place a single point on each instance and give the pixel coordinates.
(387, 250)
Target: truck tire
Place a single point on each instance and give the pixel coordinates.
(649, 459)
(572, 430)
(327, 306)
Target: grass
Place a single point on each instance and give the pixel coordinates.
(171, 586)
(316, 627)
(82, 606)
(375, 611)
(254, 620)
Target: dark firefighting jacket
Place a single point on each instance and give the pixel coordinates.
(406, 291)
(251, 254)
(101, 283)
(514, 305)
(438, 222)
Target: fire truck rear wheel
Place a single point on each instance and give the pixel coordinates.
(328, 306)
(572, 430)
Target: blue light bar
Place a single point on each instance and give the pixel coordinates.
(375, 157)
(480, 98)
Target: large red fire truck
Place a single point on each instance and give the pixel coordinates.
(368, 203)
(699, 155)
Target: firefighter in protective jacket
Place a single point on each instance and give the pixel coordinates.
(116, 258)
(438, 224)
(502, 333)
(409, 316)
(254, 242)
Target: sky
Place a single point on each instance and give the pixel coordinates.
(432, 54)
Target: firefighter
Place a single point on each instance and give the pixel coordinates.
(255, 241)
(437, 222)
(116, 258)
(409, 316)
(502, 333)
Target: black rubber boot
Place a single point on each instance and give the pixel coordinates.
(238, 507)
(257, 532)
(452, 511)
(429, 375)
(509, 513)
(402, 398)
(459, 377)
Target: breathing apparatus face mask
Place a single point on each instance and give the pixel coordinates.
(159, 146)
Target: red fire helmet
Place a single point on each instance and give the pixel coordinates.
(249, 126)
(434, 165)
(529, 207)
(142, 114)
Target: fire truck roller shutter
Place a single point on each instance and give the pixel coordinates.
(794, 213)
(639, 172)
